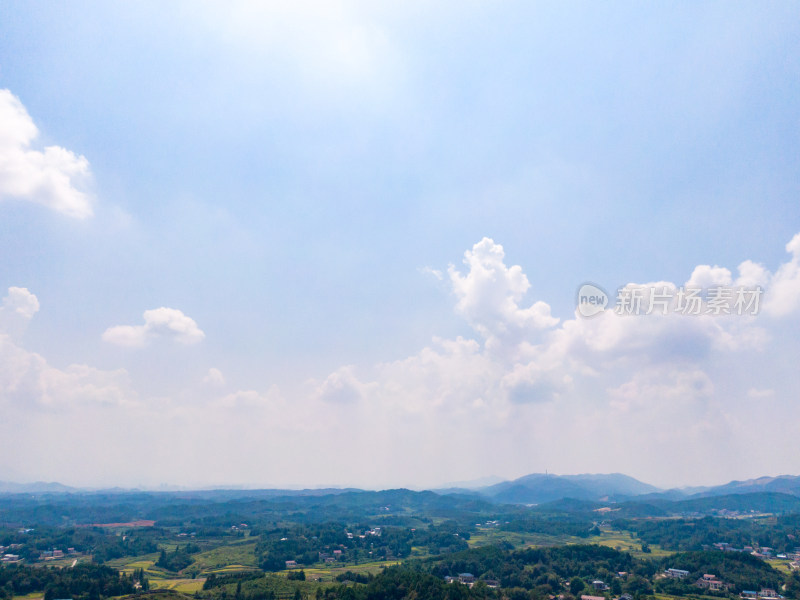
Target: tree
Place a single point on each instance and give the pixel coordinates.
(616, 587)
(576, 586)
(793, 586)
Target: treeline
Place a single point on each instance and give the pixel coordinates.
(557, 525)
(781, 534)
(542, 570)
(102, 543)
(217, 511)
(309, 544)
(82, 582)
(399, 583)
(739, 569)
(215, 581)
(393, 583)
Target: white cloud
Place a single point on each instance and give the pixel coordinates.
(21, 302)
(752, 274)
(661, 385)
(784, 287)
(341, 387)
(214, 377)
(250, 399)
(26, 379)
(17, 310)
(161, 322)
(431, 272)
(706, 276)
(489, 297)
(52, 177)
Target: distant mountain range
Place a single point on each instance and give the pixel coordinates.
(540, 488)
(536, 488)
(784, 484)
(39, 487)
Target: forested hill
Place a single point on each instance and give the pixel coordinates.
(178, 507)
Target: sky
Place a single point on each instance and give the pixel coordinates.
(341, 243)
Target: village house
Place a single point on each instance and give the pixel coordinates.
(676, 573)
(711, 583)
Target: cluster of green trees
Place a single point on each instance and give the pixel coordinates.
(354, 577)
(215, 581)
(139, 576)
(104, 544)
(178, 559)
(398, 583)
(82, 582)
(739, 569)
(305, 543)
(781, 534)
(545, 571)
(552, 525)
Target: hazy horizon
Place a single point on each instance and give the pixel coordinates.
(476, 484)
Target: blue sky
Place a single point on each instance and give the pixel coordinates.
(290, 183)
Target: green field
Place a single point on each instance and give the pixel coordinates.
(617, 539)
(186, 586)
(129, 563)
(234, 557)
(623, 540)
(283, 587)
(781, 565)
(328, 573)
(490, 536)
